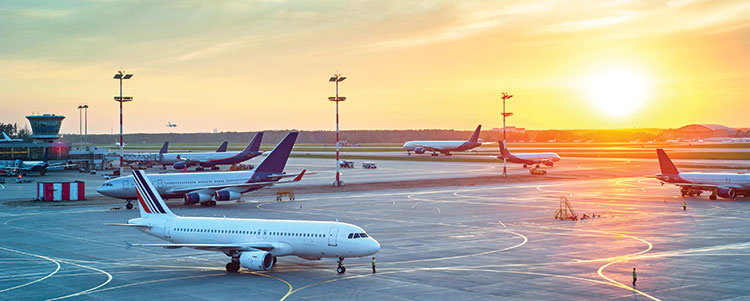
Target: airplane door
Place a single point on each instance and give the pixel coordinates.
(160, 184)
(166, 229)
(332, 233)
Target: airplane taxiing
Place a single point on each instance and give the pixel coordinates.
(212, 159)
(444, 146)
(253, 244)
(207, 188)
(527, 159)
(725, 185)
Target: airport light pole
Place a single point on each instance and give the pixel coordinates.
(505, 96)
(86, 122)
(80, 130)
(337, 78)
(122, 75)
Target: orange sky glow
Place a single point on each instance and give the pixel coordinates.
(254, 65)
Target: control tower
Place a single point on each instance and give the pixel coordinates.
(45, 127)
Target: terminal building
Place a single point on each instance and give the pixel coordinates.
(45, 134)
(701, 132)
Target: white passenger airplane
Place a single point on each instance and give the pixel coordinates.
(212, 159)
(527, 159)
(444, 146)
(171, 125)
(725, 185)
(253, 244)
(208, 187)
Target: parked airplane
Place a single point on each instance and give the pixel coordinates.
(208, 187)
(171, 125)
(212, 159)
(445, 147)
(725, 185)
(253, 244)
(147, 159)
(17, 166)
(527, 159)
(7, 138)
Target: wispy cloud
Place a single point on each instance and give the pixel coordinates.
(209, 51)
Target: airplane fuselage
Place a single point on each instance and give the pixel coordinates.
(531, 158)
(306, 239)
(124, 187)
(440, 146)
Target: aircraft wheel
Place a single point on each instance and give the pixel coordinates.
(129, 206)
(341, 269)
(233, 267)
(712, 197)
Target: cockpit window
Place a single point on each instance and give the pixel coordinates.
(363, 235)
(350, 235)
(356, 235)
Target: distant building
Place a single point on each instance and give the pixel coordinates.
(45, 127)
(510, 129)
(701, 131)
(45, 134)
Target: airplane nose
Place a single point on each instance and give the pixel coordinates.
(374, 246)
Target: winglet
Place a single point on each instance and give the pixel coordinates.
(475, 136)
(299, 177)
(223, 147)
(667, 167)
(164, 147)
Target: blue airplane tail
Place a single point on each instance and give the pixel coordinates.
(222, 148)
(164, 147)
(254, 146)
(276, 160)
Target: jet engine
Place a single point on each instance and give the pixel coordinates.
(196, 197)
(726, 193)
(227, 195)
(256, 260)
(419, 150)
(180, 165)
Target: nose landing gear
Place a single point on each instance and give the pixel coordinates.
(341, 269)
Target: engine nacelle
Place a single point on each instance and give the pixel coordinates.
(180, 165)
(726, 193)
(196, 197)
(256, 260)
(419, 150)
(227, 195)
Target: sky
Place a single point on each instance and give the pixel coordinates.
(257, 65)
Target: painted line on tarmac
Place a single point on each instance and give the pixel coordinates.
(86, 291)
(37, 280)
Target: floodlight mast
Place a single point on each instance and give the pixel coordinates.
(122, 75)
(505, 96)
(337, 78)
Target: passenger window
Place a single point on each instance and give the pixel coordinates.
(351, 235)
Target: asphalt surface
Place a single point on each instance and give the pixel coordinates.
(496, 241)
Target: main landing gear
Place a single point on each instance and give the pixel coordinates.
(712, 197)
(209, 203)
(341, 269)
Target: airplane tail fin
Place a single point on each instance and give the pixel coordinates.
(151, 203)
(46, 155)
(254, 145)
(6, 136)
(475, 136)
(504, 152)
(164, 147)
(667, 167)
(223, 147)
(276, 160)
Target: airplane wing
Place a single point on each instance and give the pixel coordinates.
(242, 186)
(210, 247)
(429, 148)
(127, 225)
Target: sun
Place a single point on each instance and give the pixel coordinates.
(617, 92)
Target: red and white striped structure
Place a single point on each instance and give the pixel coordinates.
(60, 191)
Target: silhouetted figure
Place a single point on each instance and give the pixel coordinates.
(373, 265)
(684, 205)
(634, 277)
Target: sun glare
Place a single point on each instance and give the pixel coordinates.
(617, 92)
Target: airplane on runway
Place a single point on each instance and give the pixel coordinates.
(16, 166)
(725, 185)
(171, 125)
(7, 138)
(209, 187)
(212, 159)
(253, 244)
(445, 147)
(527, 159)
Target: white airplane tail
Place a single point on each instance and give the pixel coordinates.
(151, 203)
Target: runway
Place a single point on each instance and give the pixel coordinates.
(496, 241)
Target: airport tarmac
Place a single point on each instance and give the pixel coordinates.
(497, 241)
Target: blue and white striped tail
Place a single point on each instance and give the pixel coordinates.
(151, 203)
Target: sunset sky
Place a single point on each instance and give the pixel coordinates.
(254, 65)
